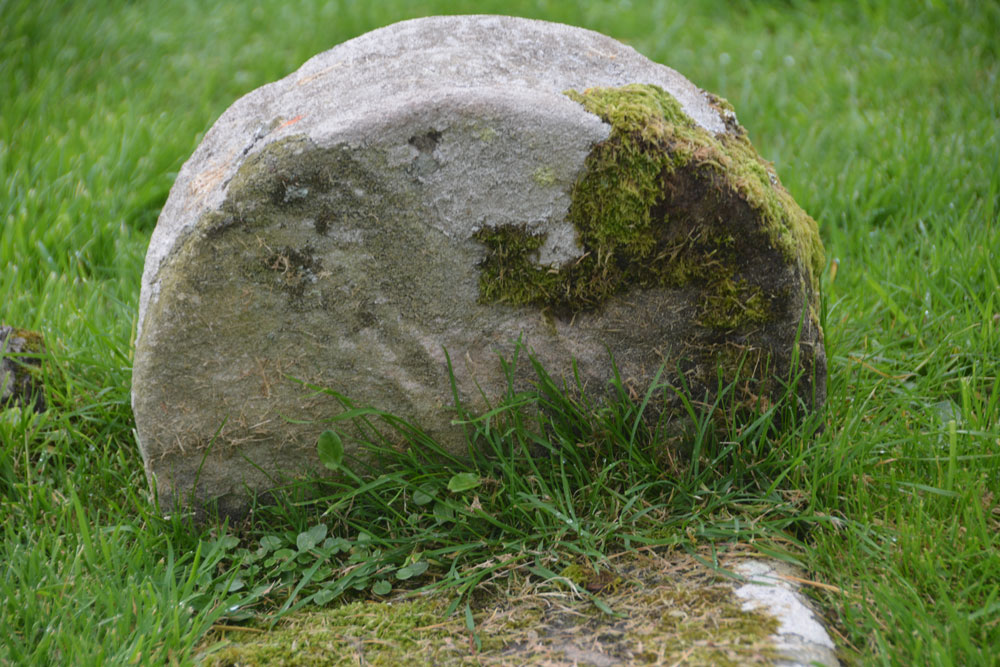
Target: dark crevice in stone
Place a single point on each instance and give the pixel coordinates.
(427, 142)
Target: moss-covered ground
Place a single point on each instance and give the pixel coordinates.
(663, 610)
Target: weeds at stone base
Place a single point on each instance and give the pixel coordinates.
(665, 609)
(555, 482)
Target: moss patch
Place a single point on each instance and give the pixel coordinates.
(668, 609)
(411, 632)
(661, 203)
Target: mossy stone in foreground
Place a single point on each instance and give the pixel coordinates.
(21, 354)
(669, 609)
(390, 219)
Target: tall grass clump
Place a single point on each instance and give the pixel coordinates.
(553, 477)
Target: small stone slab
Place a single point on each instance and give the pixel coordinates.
(20, 365)
(773, 587)
(418, 199)
(668, 610)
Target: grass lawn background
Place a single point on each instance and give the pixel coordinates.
(882, 121)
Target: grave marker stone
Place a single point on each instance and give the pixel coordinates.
(454, 185)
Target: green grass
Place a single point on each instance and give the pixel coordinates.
(881, 119)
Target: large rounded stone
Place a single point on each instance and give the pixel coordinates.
(439, 189)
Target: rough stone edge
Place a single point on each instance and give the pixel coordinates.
(771, 586)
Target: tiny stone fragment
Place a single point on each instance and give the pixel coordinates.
(20, 367)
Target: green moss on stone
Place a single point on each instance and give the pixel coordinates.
(629, 236)
(613, 203)
(34, 344)
(511, 274)
(21, 354)
(733, 304)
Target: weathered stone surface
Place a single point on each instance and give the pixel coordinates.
(20, 363)
(456, 184)
(772, 586)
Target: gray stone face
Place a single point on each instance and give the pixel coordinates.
(328, 233)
